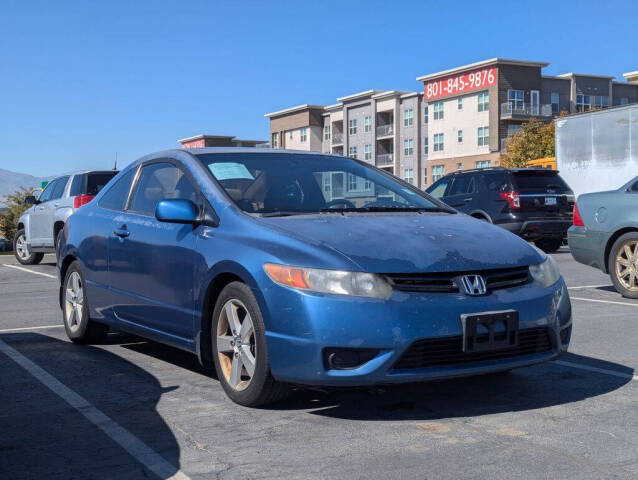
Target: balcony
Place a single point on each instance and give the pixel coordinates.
(385, 130)
(523, 111)
(337, 138)
(385, 159)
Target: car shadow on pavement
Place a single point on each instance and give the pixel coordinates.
(540, 386)
(543, 385)
(43, 436)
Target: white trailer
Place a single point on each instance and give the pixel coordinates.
(597, 151)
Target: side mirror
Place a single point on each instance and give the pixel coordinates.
(31, 200)
(177, 211)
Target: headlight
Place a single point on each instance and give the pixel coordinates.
(336, 282)
(545, 273)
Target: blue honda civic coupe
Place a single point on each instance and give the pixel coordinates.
(280, 268)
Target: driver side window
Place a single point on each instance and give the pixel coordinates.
(161, 181)
(48, 191)
(438, 190)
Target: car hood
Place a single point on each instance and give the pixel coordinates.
(402, 243)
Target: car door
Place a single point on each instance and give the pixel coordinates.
(48, 217)
(152, 263)
(38, 217)
(460, 193)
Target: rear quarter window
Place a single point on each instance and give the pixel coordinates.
(97, 181)
(117, 194)
(496, 182)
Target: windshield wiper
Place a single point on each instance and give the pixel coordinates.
(282, 213)
(377, 208)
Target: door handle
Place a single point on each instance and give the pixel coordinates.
(467, 200)
(56, 204)
(121, 233)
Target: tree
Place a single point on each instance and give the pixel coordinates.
(16, 205)
(534, 140)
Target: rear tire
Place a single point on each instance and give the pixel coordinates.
(549, 245)
(239, 349)
(623, 265)
(21, 250)
(75, 309)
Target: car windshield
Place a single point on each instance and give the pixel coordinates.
(277, 184)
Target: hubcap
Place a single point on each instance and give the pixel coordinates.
(627, 265)
(236, 345)
(74, 301)
(22, 249)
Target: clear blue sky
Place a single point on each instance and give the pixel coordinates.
(80, 80)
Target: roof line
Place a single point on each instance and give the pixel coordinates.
(293, 109)
(482, 63)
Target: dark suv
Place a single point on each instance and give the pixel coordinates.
(535, 204)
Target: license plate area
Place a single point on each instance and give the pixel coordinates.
(488, 331)
(550, 200)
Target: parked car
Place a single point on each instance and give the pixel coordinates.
(605, 235)
(5, 245)
(40, 225)
(535, 204)
(279, 267)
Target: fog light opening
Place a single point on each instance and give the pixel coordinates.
(347, 358)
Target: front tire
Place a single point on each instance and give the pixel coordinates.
(22, 252)
(549, 245)
(623, 265)
(75, 309)
(239, 349)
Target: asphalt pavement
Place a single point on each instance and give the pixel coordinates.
(131, 409)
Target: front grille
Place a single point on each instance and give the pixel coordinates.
(446, 281)
(431, 352)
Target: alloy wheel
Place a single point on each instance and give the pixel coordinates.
(236, 345)
(627, 265)
(22, 249)
(74, 300)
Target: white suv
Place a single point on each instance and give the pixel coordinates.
(40, 225)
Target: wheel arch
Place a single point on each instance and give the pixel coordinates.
(610, 243)
(481, 215)
(218, 277)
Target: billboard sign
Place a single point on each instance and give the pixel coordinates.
(460, 83)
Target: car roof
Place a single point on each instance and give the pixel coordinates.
(208, 150)
(503, 169)
(81, 172)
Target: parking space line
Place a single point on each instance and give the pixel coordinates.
(30, 271)
(604, 301)
(129, 442)
(26, 329)
(598, 370)
(580, 287)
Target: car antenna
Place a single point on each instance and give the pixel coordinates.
(115, 164)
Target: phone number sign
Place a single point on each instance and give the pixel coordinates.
(462, 83)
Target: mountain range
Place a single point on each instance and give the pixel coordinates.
(12, 181)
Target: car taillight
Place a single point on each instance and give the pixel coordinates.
(513, 199)
(578, 220)
(80, 200)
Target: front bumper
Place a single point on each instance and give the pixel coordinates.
(306, 324)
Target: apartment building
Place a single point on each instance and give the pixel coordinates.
(201, 141)
(461, 119)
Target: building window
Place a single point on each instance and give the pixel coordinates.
(290, 134)
(555, 99)
(367, 124)
(302, 134)
(408, 175)
(352, 152)
(459, 136)
(483, 136)
(352, 126)
(459, 103)
(516, 99)
(425, 176)
(459, 166)
(438, 142)
(438, 110)
(275, 140)
(483, 164)
(438, 171)
(624, 100)
(408, 117)
(352, 182)
(583, 103)
(326, 132)
(367, 151)
(408, 146)
(483, 101)
(426, 147)
(601, 101)
(327, 183)
(425, 115)
(367, 184)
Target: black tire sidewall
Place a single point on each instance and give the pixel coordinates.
(80, 334)
(549, 245)
(260, 379)
(611, 263)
